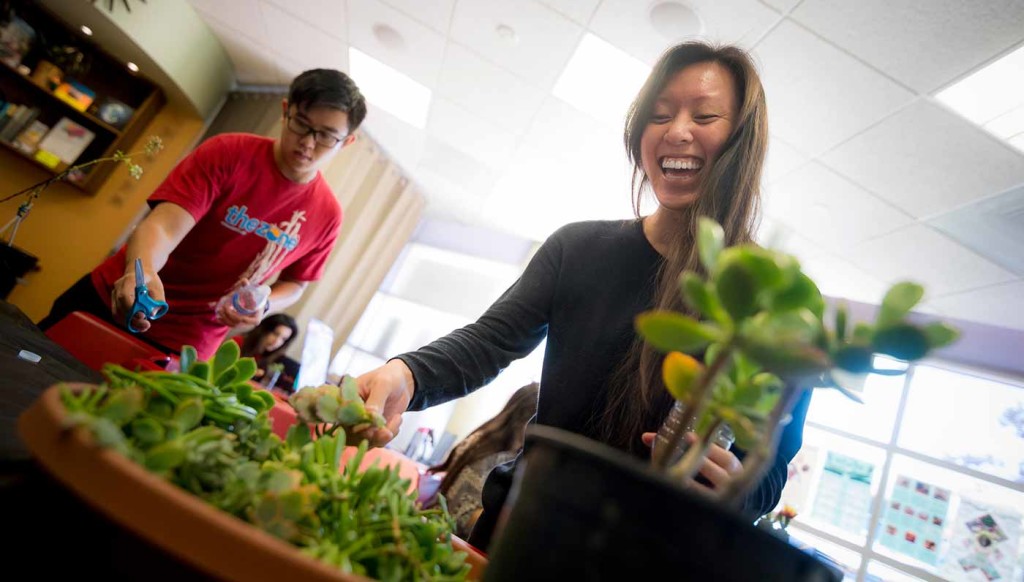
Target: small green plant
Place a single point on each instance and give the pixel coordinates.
(765, 340)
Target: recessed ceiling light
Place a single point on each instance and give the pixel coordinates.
(675, 21)
(507, 33)
(601, 80)
(86, 30)
(388, 36)
(133, 67)
(993, 97)
(389, 89)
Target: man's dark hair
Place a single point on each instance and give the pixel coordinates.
(328, 88)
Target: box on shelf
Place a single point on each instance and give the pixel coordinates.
(75, 94)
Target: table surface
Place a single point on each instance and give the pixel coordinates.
(22, 381)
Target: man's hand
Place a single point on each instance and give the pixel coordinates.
(387, 390)
(122, 297)
(229, 316)
(719, 467)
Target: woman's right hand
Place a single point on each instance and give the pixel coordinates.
(387, 390)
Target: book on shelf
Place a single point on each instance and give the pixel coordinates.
(22, 117)
(29, 138)
(65, 142)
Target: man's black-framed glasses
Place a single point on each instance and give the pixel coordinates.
(301, 128)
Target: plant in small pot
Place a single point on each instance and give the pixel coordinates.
(765, 340)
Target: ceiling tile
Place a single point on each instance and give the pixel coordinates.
(543, 42)
(559, 130)
(829, 209)
(403, 143)
(839, 279)
(418, 50)
(458, 167)
(1000, 305)
(251, 62)
(927, 160)
(776, 235)
(580, 11)
(918, 253)
(922, 43)
(243, 16)
(327, 15)
(303, 44)
(781, 5)
(436, 14)
(628, 26)
(470, 133)
(993, 228)
(488, 90)
(819, 96)
(782, 159)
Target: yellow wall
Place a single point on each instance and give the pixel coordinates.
(71, 231)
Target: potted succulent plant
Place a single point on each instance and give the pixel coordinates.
(760, 323)
(188, 461)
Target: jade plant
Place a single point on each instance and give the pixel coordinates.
(760, 323)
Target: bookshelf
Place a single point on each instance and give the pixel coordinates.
(70, 133)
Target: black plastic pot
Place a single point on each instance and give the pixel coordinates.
(581, 510)
(14, 264)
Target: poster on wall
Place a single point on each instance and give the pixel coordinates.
(844, 493)
(914, 518)
(985, 544)
(798, 481)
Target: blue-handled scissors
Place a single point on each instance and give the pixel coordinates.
(144, 304)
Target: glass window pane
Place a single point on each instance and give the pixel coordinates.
(846, 476)
(878, 572)
(874, 419)
(972, 525)
(968, 420)
(847, 560)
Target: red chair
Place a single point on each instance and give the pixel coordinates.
(95, 342)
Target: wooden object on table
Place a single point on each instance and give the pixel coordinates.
(154, 509)
(109, 80)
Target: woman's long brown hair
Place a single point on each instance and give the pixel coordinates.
(729, 193)
(505, 432)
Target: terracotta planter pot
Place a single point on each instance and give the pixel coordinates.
(160, 513)
(611, 517)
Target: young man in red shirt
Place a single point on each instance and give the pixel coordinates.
(240, 208)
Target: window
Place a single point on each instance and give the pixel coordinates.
(924, 481)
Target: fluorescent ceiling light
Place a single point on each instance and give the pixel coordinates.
(993, 97)
(389, 89)
(601, 80)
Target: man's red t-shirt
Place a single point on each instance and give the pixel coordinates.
(251, 222)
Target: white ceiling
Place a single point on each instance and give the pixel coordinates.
(862, 156)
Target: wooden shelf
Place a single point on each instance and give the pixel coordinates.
(106, 75)
(28, 157)
(82, 115)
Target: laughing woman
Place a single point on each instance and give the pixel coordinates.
(696, 135)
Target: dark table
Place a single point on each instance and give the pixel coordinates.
(22, 381)
(42, 512)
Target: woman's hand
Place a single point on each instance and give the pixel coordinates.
(720, 465)
(387, 390)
